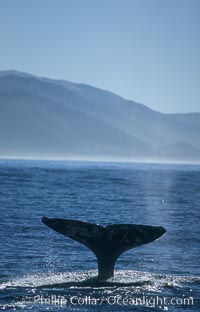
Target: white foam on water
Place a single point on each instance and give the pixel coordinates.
(144, 281)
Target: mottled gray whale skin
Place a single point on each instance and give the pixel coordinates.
(107, 243)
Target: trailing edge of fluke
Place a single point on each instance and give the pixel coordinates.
(107, 243)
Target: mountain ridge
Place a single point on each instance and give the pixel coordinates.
(44, 117)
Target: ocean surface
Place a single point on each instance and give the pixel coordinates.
(41, 270)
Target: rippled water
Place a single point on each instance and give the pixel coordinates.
(39, 266)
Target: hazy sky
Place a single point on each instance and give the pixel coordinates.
(144, 50)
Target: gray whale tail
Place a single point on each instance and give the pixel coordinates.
(107, 243)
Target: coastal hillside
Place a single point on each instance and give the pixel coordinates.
(47, 118)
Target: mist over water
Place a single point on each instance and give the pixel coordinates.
(35, 260)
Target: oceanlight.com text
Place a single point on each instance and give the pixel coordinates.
(148, 301)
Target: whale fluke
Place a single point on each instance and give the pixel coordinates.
(107, 243)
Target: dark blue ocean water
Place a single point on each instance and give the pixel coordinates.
(34, 260)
